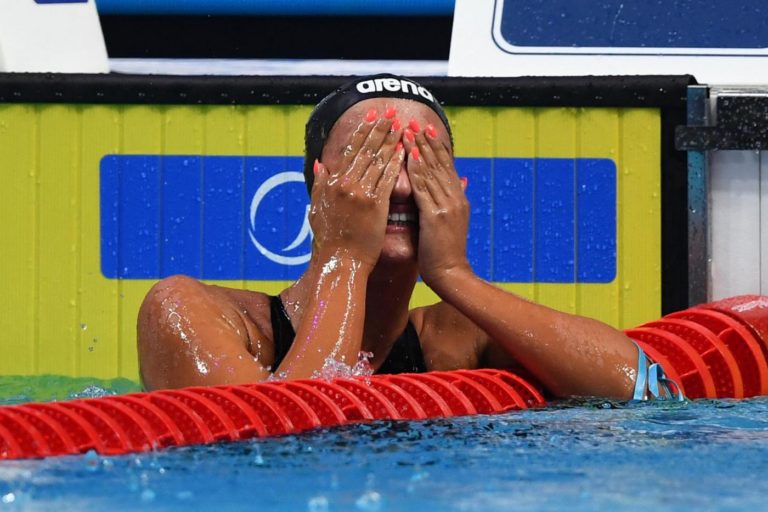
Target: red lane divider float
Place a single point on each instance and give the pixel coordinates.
(197, 415)
(751, 310)
(746, 349)
(715, 355)
(680, 360)
(714, 350)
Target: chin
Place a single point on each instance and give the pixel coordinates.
(397, 250)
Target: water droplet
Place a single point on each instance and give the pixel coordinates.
(317, 504)
(147, 496)
(91, 459)
(258, 459)
(370, 501)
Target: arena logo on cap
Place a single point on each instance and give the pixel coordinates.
(393, 85)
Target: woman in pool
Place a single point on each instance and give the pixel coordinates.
(386, 207)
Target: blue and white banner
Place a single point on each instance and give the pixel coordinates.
(549, 220)
(660, 27)
(718, 41)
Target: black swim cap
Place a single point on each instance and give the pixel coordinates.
(330, 109)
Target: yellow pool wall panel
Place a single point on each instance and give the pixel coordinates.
(60, 315)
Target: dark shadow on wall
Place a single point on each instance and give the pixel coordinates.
(278, 37)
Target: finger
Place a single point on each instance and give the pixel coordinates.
(427, 167)
(424, 148)
(384, 155)
(392, 170)
(359, 136)
(370, 148)
(409, 140)
(420, 181)
(415, 166)
(438, 184)
(439, 148)
(444, 175)
(321, 178)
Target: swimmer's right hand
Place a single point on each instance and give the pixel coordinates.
(350, 196)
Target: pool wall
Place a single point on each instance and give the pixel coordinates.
(112, 182)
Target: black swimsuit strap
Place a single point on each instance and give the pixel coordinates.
(282, 330)
(406, 355)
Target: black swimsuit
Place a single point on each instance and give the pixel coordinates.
(405, 357)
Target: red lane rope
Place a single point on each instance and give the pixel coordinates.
(715, 350)
(719, 360)
(198, 415)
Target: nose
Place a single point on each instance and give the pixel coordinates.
(402, 190)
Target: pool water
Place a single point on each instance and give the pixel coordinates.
(15, 389)
(703, 455)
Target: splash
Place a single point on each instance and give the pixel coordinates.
(333, 368)
(91, 391)
(277, 376)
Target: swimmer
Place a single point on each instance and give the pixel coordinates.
(387, 206)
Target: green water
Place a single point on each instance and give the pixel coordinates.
(16, 389)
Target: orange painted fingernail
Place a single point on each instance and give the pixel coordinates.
(464, 181)
(396, 125)
(371, 115)
(431, 131)
(414, 125)
(316, 166)
(415, 153)
(390, 112)
(409, 136)
(399, 147)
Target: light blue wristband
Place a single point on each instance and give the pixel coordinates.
(652, 383)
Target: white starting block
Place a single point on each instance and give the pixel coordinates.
(62, 36)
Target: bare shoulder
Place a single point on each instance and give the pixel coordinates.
(254, 305)
(449, 339)
(184, 291)
(192, 333)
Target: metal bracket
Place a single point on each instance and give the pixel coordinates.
(742, 123)
(698, 199)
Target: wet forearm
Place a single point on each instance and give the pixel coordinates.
(569, 354)
(331, 326)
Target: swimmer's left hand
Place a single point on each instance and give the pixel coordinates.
(443, 206)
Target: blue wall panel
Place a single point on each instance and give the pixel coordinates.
(513, 220)
(181, 214)
(479, 194)
(596, 227)
(554, 221)
(138, 216)
(549, 220)
(224, 219)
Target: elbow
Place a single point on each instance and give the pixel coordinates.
(160, 329)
